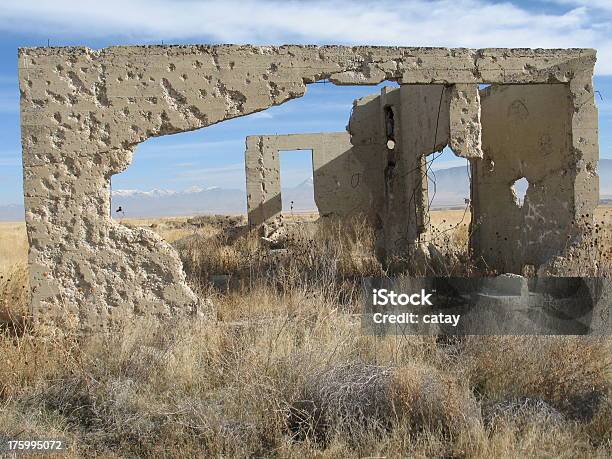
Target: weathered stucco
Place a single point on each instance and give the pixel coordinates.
(84, 111)
(379, 168)
(527, 133)
(340, 176)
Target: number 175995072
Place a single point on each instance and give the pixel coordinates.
(34, 445)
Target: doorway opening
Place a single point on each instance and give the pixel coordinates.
(297, 183)
(448, 200)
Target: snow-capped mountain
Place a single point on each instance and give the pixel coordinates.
(155, 193)
(162, 203)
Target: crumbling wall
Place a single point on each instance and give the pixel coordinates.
(262, 170)
(527, 133)
(410, 123)
(84, 111)
(340, 177)
(530, 132)
(424, 128)
(367, 133)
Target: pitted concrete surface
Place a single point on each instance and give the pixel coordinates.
(84, 111)
(340, 176)
(527, 134)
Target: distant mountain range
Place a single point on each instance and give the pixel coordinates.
(451, 190)
(167, 203)
(197, 200)
(11, 213)
(449, 187)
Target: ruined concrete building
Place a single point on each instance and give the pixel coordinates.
(380, 168)
(83, 112)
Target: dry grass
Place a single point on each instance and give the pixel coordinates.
(13, 273)
(175, 228)
(286, 371)
(13, 245)
(328, 255)
(307, 383)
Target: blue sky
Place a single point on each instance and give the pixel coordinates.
(214, 156)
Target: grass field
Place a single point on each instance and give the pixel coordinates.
(285, 371)
(13, 245)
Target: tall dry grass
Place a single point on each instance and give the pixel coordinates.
(306, 382)
(331, 256)
(14, 288)
(13, 245)
(287, 372)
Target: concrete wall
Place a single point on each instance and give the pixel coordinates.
(340, 176)
(426, 118)
(422, 119)
(528, 132)
(84, 111)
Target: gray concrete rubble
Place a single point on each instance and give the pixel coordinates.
(84, 111)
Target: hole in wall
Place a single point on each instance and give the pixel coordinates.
(519, 190)
(297, 184)
(202, 171)
(448, 180)
(389, 126)
(448, 211)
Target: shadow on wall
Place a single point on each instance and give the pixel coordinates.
(522, 193)
(342, 175)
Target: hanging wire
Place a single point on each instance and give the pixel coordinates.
(433, 148)
(431, 176)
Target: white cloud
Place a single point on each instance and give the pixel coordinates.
(262, 115)
(466, 23)
(604, 5)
